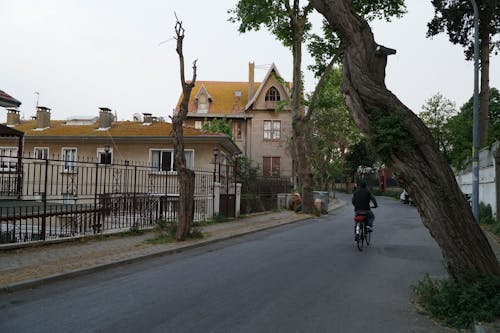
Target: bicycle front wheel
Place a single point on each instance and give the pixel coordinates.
(368, 236)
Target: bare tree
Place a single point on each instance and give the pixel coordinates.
(410, 147)
(186, 176)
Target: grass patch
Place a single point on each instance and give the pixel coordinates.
(219, 218)
(167, 230)
(458, 304)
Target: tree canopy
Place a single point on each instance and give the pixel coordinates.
(436, 112)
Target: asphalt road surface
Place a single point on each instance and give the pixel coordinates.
(304, 277)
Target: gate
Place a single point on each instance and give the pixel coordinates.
(227, 179)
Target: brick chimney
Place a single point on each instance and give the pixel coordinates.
(147, 118)
(42, 117)
(13, 117)
(105, 117)
(251, 70)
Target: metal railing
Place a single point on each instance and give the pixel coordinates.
(42, 199)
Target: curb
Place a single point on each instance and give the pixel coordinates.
(30, 284)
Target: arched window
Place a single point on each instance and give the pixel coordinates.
(273, 95)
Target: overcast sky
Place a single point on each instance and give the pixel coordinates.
(83, 54)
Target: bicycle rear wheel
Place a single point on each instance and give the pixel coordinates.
(361, 235)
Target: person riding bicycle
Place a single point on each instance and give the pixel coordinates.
(361, 200)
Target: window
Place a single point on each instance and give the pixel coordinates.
(69, 157)
(237, 130)
(271, 166)
(203, 104)
(41, 153)
(103, 157)
(198, 124)
(272, 129)
(163, 160)
(273, 95)
(8, 158)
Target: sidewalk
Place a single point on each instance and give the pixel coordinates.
(31, 266)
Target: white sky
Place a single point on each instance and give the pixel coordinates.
(83, 54)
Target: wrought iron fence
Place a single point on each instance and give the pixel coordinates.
(42, 199)
(261, 194)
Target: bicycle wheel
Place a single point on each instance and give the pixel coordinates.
(361, 236)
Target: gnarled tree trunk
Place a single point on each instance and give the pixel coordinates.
(186, 176)
(300, 124)
(419, 164)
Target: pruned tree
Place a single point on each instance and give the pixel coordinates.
(186, 176)
(403, 140)
(456, 18)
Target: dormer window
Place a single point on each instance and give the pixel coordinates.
(273, 95)
(202, 104)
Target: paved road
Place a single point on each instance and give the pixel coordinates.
(305, 277)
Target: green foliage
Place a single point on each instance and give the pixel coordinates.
(218, 126)
(360, 154)
(166, 232)
(388, 193)
(389, 135)
(460, 304)
(459, 128)
(326, 46)
(275, 15)
(455, 17)
(219, 218)
(485, 213)
(436, 112)
(333, 131)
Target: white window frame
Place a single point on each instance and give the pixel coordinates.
(159, 166)
(8, 158)
(69, 165)
(44, 153)
(273, 131)
(198, 124)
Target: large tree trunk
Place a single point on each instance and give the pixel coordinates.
(185, 211)
(301, 141)
(419, 164)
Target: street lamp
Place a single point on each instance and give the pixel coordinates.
(475, 127)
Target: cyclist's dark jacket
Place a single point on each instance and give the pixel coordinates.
(361, 199)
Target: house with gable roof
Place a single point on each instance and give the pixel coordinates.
(259, 114)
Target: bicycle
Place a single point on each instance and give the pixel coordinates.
(361, 232)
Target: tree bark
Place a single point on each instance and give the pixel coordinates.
(186, 176)
(300, 124)
(421, 168)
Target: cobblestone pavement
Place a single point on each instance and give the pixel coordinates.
(30, 266)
